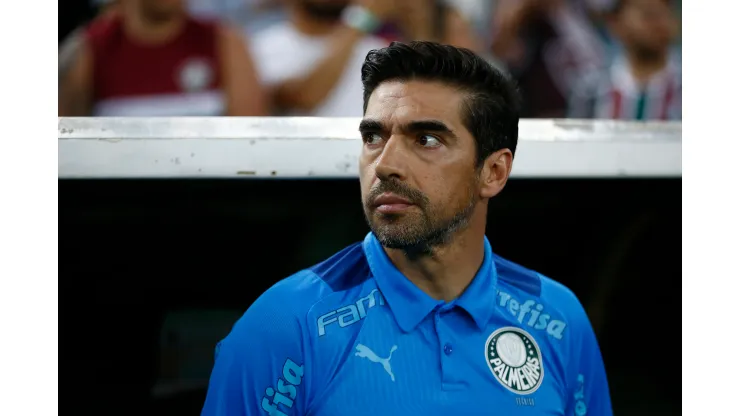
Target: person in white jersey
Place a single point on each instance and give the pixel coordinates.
(644, 80)
(311, 62)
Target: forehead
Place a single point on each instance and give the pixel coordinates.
(404, 101)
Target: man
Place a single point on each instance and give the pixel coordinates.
(421, 317)
(644, 81)
(150, 58)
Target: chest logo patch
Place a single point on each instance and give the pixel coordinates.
(195, 75)
(515, 360)
(365, 352)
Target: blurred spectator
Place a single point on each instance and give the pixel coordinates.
(311, 63)
(252, 15)
(433, 20)
(644, 80)
(150, 58)
(249, 15)
(477, 13)
(546, 45)
(219, 9)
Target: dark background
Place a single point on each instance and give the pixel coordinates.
(132, 250)
(74, 13)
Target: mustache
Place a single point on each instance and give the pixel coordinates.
(399, 188)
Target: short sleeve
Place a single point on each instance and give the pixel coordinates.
(588, 392)
(260, 366)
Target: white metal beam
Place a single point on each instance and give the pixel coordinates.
(305, 147)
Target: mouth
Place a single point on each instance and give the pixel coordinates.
(388, 203)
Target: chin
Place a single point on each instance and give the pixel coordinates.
(389, 240)
(395, 235)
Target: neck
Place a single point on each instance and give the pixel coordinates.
(447, 270)
(643, 68)
(147, 32)
(310, 26)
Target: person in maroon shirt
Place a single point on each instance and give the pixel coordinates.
(150, 58)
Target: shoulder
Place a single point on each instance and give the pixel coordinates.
(103, 25)
(562, 298)
(558, 309)
(343, 271)
(286, 306)
(71, 49)
(529, 282)
(103, 30)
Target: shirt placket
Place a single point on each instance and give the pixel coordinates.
(446, 349)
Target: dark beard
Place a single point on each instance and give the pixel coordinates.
(416, 240)
(324, 12)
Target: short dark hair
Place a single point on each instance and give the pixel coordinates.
(491, 108)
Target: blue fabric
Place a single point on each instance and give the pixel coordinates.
(352, 335)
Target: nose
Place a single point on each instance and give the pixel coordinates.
(392, 160)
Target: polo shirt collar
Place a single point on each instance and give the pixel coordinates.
(410, 305)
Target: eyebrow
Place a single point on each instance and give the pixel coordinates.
(431, 126)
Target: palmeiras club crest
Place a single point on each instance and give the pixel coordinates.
(515, 360)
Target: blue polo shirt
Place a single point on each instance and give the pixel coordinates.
(353, 336)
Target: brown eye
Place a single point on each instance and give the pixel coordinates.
(372, 138)
(429, 141)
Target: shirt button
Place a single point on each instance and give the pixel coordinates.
(448, 349)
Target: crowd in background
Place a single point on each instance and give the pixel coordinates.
(608, 59)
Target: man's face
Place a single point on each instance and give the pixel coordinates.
(323, 9)
(646, 26)
(418, 164)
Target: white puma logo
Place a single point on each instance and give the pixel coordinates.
(365, 352)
